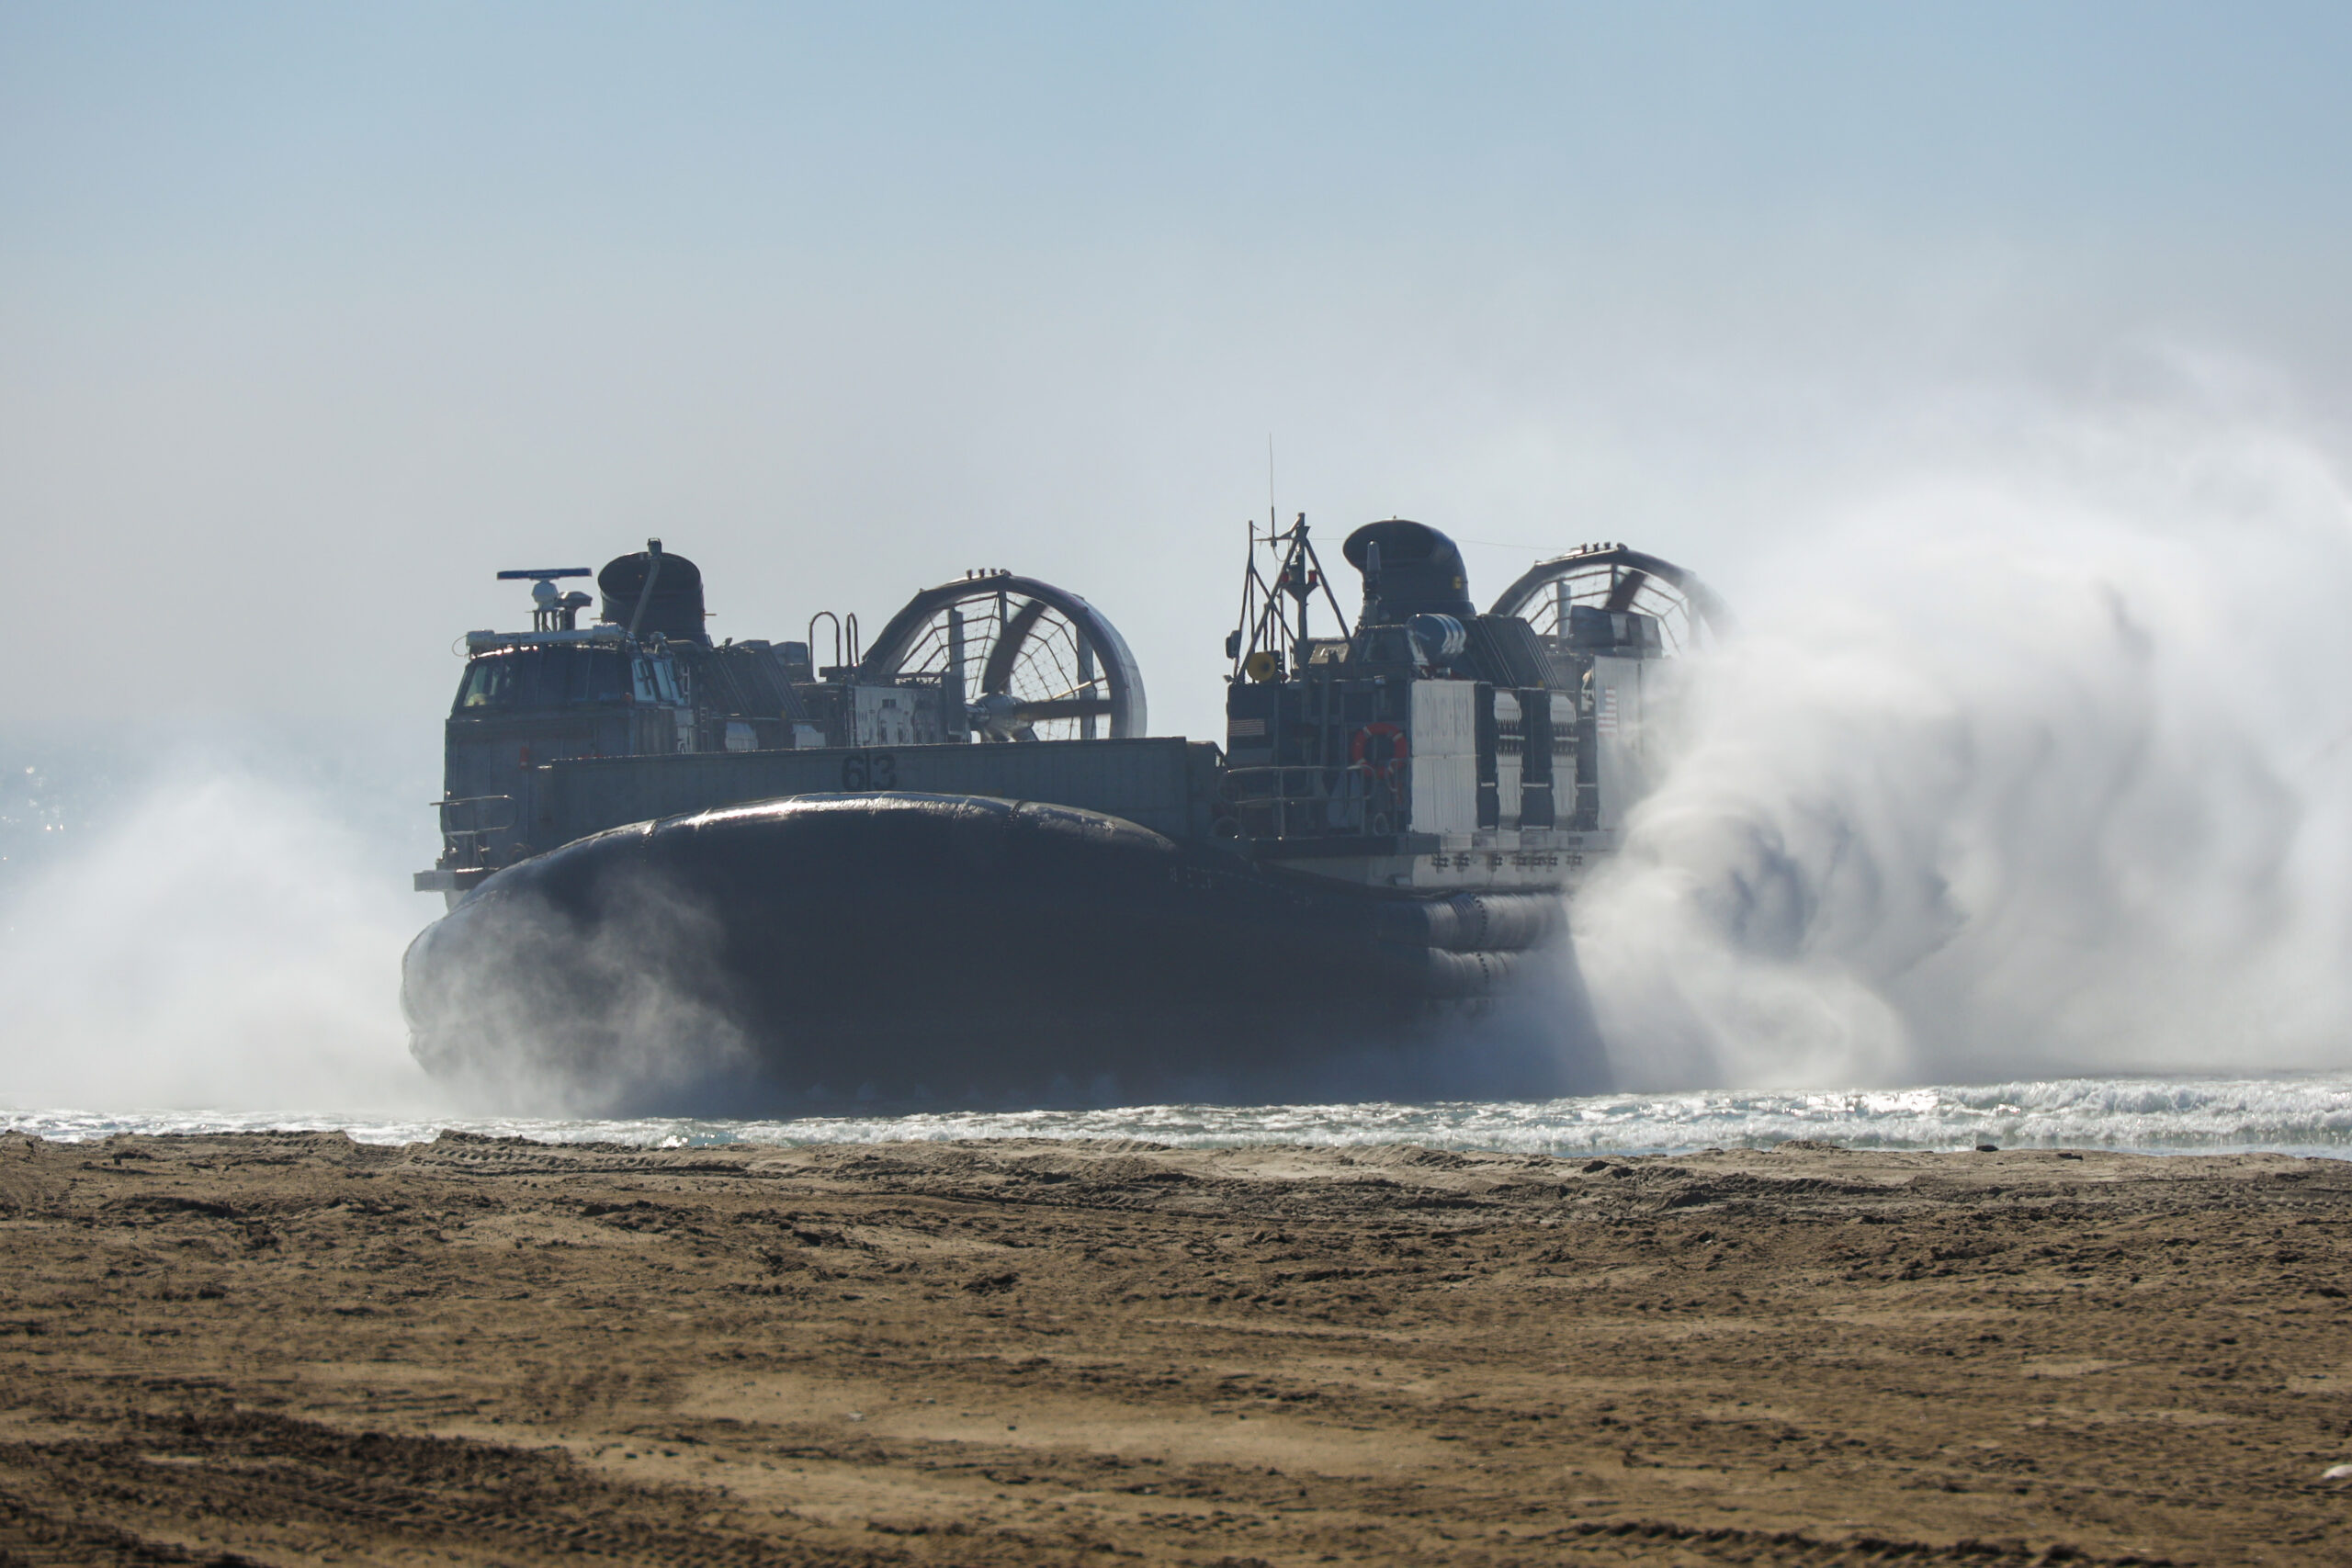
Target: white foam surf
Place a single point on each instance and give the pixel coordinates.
(2298, 1114)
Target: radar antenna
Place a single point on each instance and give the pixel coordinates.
(550, 611)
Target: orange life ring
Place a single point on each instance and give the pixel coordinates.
(1399, 750)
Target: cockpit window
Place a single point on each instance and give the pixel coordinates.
(543, 678)
(657, 681)
(488, 683)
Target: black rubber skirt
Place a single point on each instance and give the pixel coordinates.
(906, 952)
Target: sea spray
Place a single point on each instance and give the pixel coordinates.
(2019, 770)
(228, 939)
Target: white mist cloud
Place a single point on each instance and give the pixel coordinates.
(2024, 764)
(532, 1009)
(227, 944)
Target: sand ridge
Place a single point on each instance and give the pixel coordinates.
(292, 1348)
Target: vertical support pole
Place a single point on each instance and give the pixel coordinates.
(956, 726)
(1536, 802)
(1085, 685)
(1485, 739)
(1298, 587)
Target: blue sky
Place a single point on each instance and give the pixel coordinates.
(314, 316)
(314, 131)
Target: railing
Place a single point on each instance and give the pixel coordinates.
(1307, 803)
(467, 820)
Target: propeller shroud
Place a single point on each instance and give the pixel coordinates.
(1611, 577)
(1034, 661)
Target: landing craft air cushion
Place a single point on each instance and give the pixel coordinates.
(953, 869)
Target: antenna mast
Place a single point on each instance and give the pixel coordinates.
(1265, 625)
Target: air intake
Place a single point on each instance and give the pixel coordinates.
(1409, 568)
(672, 610)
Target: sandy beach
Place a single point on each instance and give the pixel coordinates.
(295, 1349)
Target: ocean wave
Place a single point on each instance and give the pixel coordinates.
(2297, 1115)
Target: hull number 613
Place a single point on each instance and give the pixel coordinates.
(869, 770)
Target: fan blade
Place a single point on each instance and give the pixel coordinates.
(1622, 596)
(996, 675)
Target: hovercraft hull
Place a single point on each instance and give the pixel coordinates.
(906, 952)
